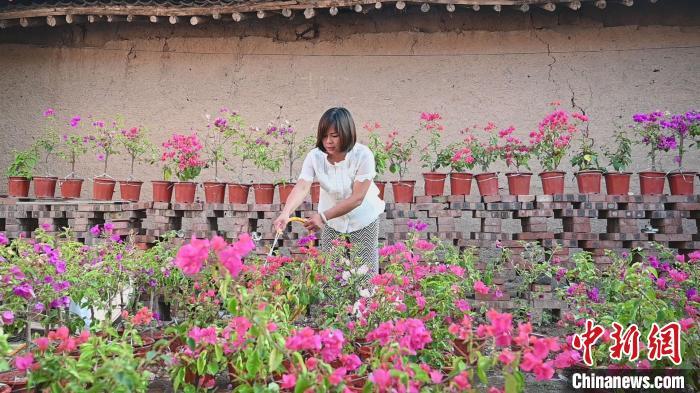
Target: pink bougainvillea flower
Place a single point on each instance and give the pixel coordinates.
(381, 379)
(205, 335)
(42, 343)
(506, 357)
(435, 376)
(351, 362)
(24, 363)
(480, 287)
(191, 257)
(543, 371)
(462, 381)
(289, 381)
(8, 317)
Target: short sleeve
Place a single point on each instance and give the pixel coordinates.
(366, 169)
(307, 168)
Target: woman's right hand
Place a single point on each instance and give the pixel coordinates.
(280, 223)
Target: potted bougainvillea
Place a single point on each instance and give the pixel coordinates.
(105, 144)
(292, 148)
(648, 127)
(136, 145)
(70, 148)
(551, 142)
(381, 157)
(589, 175)
(182, 155)
(434, 156)
(516, 155)
(617, 182)
(400, 154)
(485, 154)
(45, 186)
(683, 127)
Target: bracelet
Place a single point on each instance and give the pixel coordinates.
(323, 217)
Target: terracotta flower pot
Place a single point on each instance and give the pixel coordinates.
(487, 183)
(130, 190)
(589, 181)
(519, 183)
(162, 190)
(103, 188)
(434, 183)
(315, 192)
(651, 182)
(18, 186)
(460, 183)
(264, 193)
(45, 187)
(617, 183)
(71, 188)
(238, 193)
(403, 190)
(681, 183)
(285, 189)
(381, 185)
(552, 182)
(214, 192)
(185, 191)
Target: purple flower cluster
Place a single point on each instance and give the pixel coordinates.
(305, 241)
(417, 225)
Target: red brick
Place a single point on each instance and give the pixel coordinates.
(533, 236)
(576, 236)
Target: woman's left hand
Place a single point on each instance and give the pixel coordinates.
(314, 223)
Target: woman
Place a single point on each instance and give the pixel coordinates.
(349, 203)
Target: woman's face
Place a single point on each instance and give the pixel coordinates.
(331, 141)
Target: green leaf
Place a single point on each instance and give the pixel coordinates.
(275, 359)
(201, 363)
(212, 368)
(253, 363)
(303, 383)
(483, 365)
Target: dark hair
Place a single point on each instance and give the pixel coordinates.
(340, 120)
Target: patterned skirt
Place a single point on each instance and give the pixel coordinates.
(365, 244)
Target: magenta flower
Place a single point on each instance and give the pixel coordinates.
(24, 363)
(417, 225)
(24, 290)
(95, 230)
(206, 335)
(3, 240)
(191, 257)
(381, 378)
(8, 317)
(75, 121)
(49, 112)
(289, 381)
(305, 241)
(481, 288)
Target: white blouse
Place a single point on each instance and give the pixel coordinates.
(336, 184)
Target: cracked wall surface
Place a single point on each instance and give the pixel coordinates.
(471, 67)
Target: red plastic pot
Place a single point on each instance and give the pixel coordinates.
(162, 190)
(45, 187)
(681, 183)
(589, 181)
(487, 183)
(285, 189)
(434, 183)
(71, 188)
(315, 192)
(403, 191)
(460, 183)
(651, 182)
(381, 185)
(18, 186)
(617, 183)
(130, 190)
(264, 193)
(519, 183)
(238, 193)
(185, 191)
(214, 192)
(103, 188)
(552, 182)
